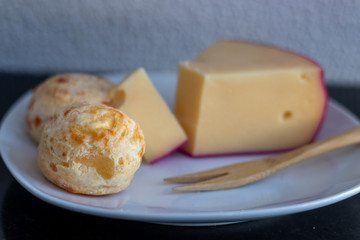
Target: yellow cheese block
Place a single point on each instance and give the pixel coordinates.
(137, 97)
(241, 97)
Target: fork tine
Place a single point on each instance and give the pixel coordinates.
(198, 176)
(224, 181)
(236, 175)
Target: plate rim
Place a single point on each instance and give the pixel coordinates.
(184, 217)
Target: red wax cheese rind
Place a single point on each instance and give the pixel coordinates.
(241, 97)
(138, 98)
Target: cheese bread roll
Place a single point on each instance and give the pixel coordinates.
(61, 90)
(91, 149)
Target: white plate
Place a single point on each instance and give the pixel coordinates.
(315, 183)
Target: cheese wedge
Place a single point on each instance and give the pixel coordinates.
(137, 97)
(241, 97)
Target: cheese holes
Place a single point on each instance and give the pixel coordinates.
(304, 77)
(287, 115)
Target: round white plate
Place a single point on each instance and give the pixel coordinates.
(315, 183)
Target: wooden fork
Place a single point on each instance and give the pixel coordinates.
(239, 174)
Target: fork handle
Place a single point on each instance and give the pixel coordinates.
(343, 139)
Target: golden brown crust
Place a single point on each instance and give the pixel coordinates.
(61, 90)
(90, 149)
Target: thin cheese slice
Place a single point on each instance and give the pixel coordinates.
(241, 97)
(137, 97)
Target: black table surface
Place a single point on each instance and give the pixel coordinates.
(23, 216)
